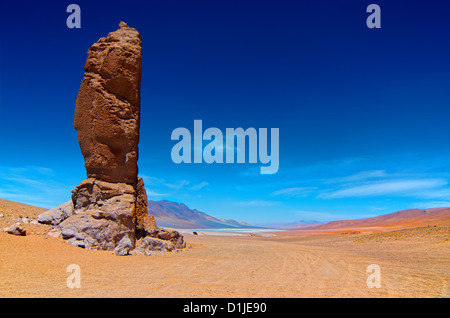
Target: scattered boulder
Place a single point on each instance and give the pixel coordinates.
(24, 219)
(124, 247)
(160, 240)
(173, 236)
(148, 244)
(16, 229)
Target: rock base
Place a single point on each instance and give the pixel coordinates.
(109, 216)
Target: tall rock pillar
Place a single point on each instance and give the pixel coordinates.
(112, 201)
(109, 209)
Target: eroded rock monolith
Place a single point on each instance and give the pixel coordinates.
(107, 111)
(108, 210)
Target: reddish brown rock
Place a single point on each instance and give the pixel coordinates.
(107, 111)
(145, 223)
(108, 210)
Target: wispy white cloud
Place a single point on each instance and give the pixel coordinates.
(330, 167)
(159, 188)
(360, 176)
(26, 170)
(256, 202)
(295, 192)
(26, 181)
(32, 185)
(151, 180)
(400, 187)
(178, 184)
(151, 193)
(199, 186)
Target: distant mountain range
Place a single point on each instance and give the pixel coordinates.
(178, 215)
(296, 225)
(397, 220)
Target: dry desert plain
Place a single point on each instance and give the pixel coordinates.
(413, 263)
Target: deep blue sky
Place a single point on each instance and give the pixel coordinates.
(363, 113)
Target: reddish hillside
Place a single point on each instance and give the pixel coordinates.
(398, 220)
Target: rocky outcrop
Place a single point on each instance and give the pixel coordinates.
(107, 111)
(103, 214)
(56, 215)
(16, 229)
(108, 210)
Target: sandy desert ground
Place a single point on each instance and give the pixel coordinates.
(413, 263)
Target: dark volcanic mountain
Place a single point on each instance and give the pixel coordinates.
(177, 215)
